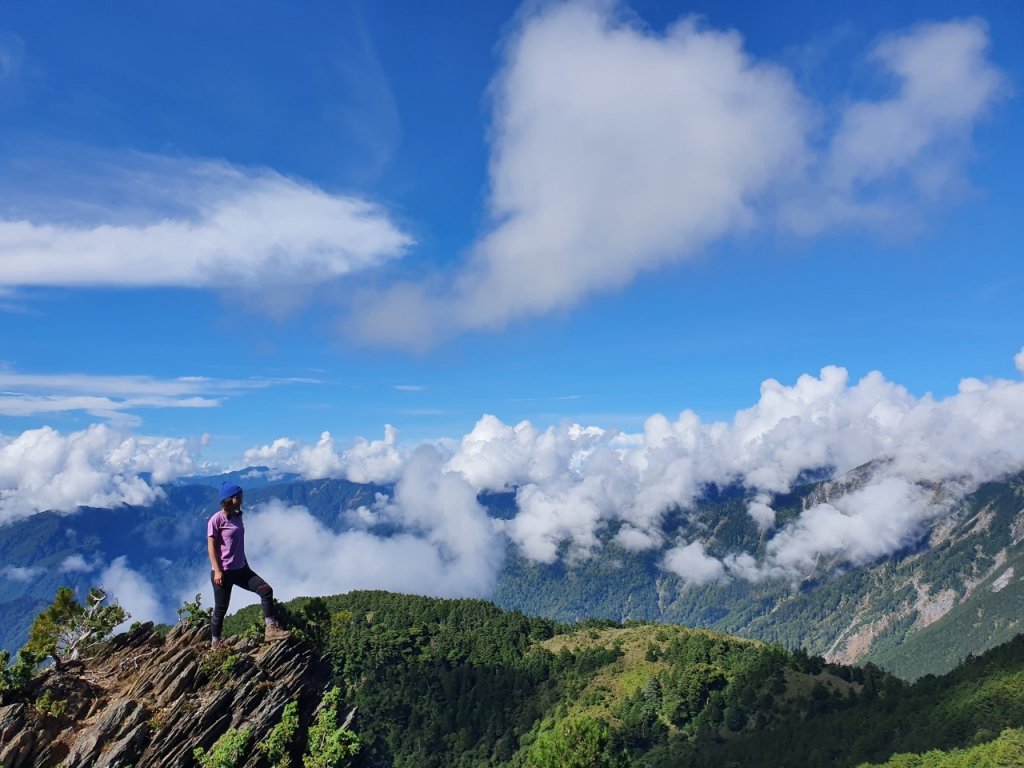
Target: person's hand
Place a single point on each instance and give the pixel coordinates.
(218, 578)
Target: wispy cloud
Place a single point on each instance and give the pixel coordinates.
(409, 387)
(12, 53)
(553, 398)
(24, 394)
(159, 222)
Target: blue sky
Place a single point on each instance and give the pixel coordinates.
(177, 183)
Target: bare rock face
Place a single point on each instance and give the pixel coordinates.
(146, 700)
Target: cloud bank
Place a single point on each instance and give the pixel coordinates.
(575, 487)
(579, 489)
(615, 150)
(41, 469)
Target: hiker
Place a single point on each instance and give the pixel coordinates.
(225, 539)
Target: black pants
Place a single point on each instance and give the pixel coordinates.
(245, 578)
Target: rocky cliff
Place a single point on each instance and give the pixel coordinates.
(147, 700)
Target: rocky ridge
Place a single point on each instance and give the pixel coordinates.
(148, 701)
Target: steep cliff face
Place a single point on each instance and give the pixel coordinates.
(147, 700)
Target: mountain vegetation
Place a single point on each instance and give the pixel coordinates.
(463, 683)
(430, 682)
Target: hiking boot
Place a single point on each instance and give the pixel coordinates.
(275, 631)
(217, 644)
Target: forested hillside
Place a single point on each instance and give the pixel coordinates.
(958, 591)
(462, 683)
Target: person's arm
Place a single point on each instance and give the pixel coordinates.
(218, 572)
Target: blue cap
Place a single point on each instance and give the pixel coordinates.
(227, 490)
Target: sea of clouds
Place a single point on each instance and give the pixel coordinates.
(573, 485)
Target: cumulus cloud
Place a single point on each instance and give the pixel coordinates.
(1018, 360)
(578, 487)
(43, 469)
(439, 541)
(74, 564)
(366, 461)
(572, 490)
(18, 573)
(197, 224)
(868, 523)
(761, 512)
(692, 564)
(133, 592)
(617, 149)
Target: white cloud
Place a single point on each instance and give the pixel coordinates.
(761, 512)
(12, 54)
(42, 469)
(377, 461)
(111, 397)
(1018, 360)
(575, 484)
(202, 224)
(690, 563)
(634, 540)
(445, 544)
(868, 523)
(17, 573)
(616, 150)
(130, 589)
(888, 154)
(571, 490)
(74, 564)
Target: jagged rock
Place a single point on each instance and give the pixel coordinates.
(149, 701)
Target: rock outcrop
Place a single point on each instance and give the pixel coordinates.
(149, 701)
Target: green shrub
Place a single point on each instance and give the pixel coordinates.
(193, 614)
(227, 752)
(230, 664)
(279, 740)
(48, 705)
(330, 745)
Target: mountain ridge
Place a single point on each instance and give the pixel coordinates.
(863, 613)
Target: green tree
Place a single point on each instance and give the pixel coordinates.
(67, 628)
(575, 743)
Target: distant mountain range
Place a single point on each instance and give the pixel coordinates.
(957, 591)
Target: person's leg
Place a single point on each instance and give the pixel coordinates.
(221, 598)
(250, 580)
(254, 583)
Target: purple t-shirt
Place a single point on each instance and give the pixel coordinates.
(229, 537)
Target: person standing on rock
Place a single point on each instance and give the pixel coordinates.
(225, 539)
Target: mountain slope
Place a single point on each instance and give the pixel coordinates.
(462, 683)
